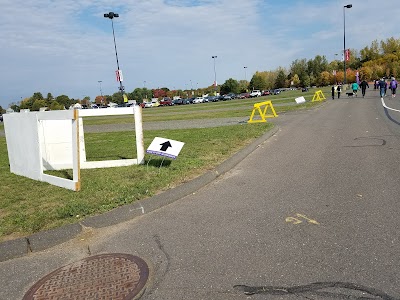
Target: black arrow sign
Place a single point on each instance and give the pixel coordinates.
(165, 146)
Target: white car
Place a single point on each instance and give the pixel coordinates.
(255, 93)
(198, 100)
(148, 104)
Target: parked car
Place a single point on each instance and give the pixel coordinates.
(243, 96)
(266, 93)
(166, 101)
(212, 98)
(226, 97)
(198, 100)
(255, 93)
(147, 104)
(304, 89)
(277, 92)
(1, 118)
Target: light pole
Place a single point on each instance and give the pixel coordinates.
(111, 15)
(344, 41)
(215, 75)
(101, 92)
(245, 73)
(144, 89)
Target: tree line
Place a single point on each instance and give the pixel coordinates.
(380, 59)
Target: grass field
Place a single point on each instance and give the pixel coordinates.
(28, 206)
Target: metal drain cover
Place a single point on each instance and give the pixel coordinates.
(107, 276)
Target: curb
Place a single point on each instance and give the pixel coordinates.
(47, 239)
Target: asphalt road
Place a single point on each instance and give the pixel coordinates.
(312, 213)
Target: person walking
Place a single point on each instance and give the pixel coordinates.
(355, 88)
(333, 92)
(338, 90)
(364, 85)
(393, 86)
(382, 87)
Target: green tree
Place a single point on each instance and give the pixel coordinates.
(49, 98)
(370, 53)
(37, 96)
(258, 81)
(15, 107)
(2, 111)
(280, 81)
(64, 100)
(317, 65)
(117, 98)
(299, 67)
(26, 103)
(243, 86)
(306, 81)
(38, 104)
(391, 45)
(54, 105)
(230, 86)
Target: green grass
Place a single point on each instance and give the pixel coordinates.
(220, 109)
(28, 206)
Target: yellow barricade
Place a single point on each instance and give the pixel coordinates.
(318, 96)
(262, 108)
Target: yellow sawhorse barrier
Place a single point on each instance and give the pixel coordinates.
(262, 108)
(318, 96)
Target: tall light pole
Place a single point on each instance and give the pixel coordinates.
(344, 40)
(245, 73)
(111, 15)
(215, 75)
(144, 89)
(101, 92)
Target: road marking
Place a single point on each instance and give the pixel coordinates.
(385, 106)
(297, 220)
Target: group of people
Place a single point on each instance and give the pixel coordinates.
(382, 85)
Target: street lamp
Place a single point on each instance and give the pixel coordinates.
(344, 40)
(101, 92)
(111, 16)
(245, 74)
(215, 75)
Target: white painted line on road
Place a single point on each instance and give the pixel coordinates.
(385, 106)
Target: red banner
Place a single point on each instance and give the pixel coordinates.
(118, 73)
(347, 54)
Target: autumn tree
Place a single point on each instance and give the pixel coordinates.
(325, 78)
(296, 80)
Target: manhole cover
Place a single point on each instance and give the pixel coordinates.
(107, 276)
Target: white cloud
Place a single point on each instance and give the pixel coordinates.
(66, 46)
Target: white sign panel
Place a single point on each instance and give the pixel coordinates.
(165, 147)
(300, 100)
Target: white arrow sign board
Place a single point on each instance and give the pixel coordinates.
(165, 147)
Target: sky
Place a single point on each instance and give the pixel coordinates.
(66, 46)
